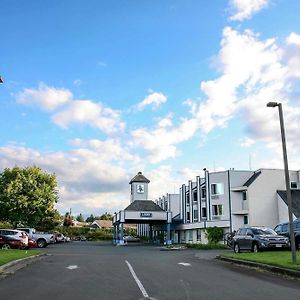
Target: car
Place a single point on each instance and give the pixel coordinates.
(131, 239)
(16, 234)
(258, 238)
(42, 239)
(283, 229)
(59, 238)
(8, 242)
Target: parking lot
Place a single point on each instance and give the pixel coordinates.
(94, 270)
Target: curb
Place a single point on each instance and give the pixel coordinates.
(19, 263)
(273, 269)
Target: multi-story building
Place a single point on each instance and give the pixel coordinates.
(231, 199)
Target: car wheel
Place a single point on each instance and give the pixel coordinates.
(236, 248)
(255, 248)
(5, 246)
(41, 243)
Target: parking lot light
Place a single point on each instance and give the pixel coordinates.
(1, 79)
(287, 179)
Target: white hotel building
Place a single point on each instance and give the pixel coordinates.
(230, 199)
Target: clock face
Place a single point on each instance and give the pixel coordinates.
(140, 188)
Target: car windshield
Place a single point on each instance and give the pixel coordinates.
(263, 231)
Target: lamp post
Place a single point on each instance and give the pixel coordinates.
(1, 79)
(287, 179)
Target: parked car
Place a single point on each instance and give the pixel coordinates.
(284, 229)
(258, 238)
(42, 239)
(8, 242)
(129, 239)
(15, 234)
(59, 238)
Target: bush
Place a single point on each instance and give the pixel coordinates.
(208, 246)
(214, 234)
(74, 231)
(100, 234)
(7, 225)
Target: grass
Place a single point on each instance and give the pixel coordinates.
(10, 255)
(281, 259)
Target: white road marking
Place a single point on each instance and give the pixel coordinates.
(72, 267)
(138, 282)
(184, 264)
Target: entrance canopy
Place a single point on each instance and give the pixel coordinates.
(142, 212)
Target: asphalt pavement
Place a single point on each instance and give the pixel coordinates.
(91, 270)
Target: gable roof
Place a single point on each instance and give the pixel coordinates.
(252, 178)
(139, 177)
(103, 223)
(295, 201)
(143, 205)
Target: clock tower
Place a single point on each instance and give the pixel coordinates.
(139, 187)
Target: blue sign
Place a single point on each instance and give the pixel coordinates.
(146, 215)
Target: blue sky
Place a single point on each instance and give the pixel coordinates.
(100, 90)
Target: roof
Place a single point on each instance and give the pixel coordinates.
(143, 205)
(139, 177)
(295, 201)
(252, 178)
(103, 223)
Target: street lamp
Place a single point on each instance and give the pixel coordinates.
(1, 79)
(287, 180)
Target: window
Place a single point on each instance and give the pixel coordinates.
(188, 199)
(195, 196)
(245, 220)
(242, 231)
(217, 210)
(285, 227)
(199, 235)
(188, 216)
(294, 184)
(195, 214)
(204, 212)
(217, 188)
(190, 235)
(203, 193)
(244, 195)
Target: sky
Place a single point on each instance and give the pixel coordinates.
(96, 91)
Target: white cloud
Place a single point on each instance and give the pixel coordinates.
(87, 112)
(244, 9)
(293, 39)
(154, 99)
(45, 97)
(246, 142)
(160, 143)
(77, 82)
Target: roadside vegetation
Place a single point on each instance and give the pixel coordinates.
(10, 255)
(274, 258)
(209, 246)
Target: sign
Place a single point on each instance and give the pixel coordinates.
(146, 215)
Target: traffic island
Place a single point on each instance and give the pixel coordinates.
(276, 262)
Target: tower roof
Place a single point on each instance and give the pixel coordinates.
(139, 177)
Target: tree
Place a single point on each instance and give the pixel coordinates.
(68, 220)
(106, 216)
(90, 219)
(214, 234)
(27, 197)
(79, 218)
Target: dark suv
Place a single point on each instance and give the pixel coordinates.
(284, 229)
(258, 238)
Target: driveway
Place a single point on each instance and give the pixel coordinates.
(90, 270)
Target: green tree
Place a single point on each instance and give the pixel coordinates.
(90, 219)
(79, 218)
(106, 216)
(214, 234)
(27, 197)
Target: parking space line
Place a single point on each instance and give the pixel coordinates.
(138, 282)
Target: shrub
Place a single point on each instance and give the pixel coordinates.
(4, 224)
(214, 234)
(100, 234)
(207, 246)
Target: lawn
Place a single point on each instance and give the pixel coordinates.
(10, 255)
(275, 258)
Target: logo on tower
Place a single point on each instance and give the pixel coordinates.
(140, 188)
